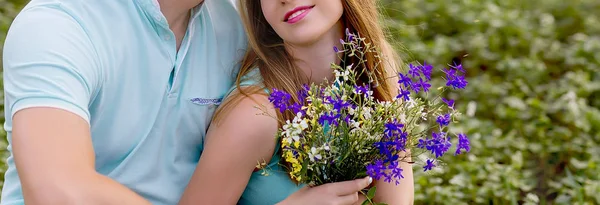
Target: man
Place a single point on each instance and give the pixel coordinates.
(107, 102)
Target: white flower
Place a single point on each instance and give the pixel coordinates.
(326, 147)
(354, 124)
(411, 104)
(343, 74)
(385, 104)
(403, 118)
(313, 154)
(367, 112)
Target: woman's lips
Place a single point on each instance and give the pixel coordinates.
(297, 14)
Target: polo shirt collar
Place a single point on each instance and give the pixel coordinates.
(152, 8)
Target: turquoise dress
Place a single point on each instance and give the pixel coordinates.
(275, 185)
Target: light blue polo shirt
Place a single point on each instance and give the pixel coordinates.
(115, 64)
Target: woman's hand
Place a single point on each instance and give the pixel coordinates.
(339, 193)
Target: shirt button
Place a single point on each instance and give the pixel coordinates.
(167, 37)
(157, 17)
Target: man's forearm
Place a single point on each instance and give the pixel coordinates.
(89, 189)
(109, 191)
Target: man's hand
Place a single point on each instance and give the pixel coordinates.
(55, 160)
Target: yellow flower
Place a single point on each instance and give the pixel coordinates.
(285, 142)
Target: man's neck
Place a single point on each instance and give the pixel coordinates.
(177, 13)
(315, 59)
(176, 10)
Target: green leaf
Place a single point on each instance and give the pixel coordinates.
(371, 193)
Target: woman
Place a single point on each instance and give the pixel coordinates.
(291, 43)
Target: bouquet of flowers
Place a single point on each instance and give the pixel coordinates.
(342, 132)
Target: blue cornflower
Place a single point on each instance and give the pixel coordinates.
(347, 119)
(330, 117)
(396, 170)
(458, 67)
(443, 120)
(296, 108)
(400, 141)
(376, 170)
(421, 84)
(362, 89)
(391, 158)
(280, 99)
(338, 104)
(303, 93)
(429, 165)
(388, 178)
(403, 94)
(449, 102)
(404, 80)
(463, 143)
(437, 145)
(426, 70)
(455, 80)
(392, 128)
(382, 147)
(413, 70)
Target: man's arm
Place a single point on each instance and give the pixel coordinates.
(55, 161)
(50, 74)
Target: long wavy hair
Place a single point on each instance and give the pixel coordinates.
(267, 53)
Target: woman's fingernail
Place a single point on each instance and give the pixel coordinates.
(370, 180)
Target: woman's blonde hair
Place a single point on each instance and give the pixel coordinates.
(267, 53)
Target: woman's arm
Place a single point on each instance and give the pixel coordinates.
(390, 193)
(401, 194)
(234, 146)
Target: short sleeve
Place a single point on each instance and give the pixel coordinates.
(49, 61)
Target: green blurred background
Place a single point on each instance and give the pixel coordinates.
(532, 107)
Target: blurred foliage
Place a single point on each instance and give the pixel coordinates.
(532, 105)
(8, 10)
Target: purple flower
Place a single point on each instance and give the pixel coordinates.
(455, 80)
(463, 143)
(404, 80)
(280, 99)
(443, 120)
(382, 147)
(437, 145)
(296, 108)
(392, 128)
(400, 141)
(426, 70)
(429, 165)
(338, 104)
(350, 35)
(396, 170)
(413, 70)
(459, 67)
(403, 94)
(376, 170)
(335, 49)
(362, 89)
(421, 84)
(449, 102)
(303, 93)
(330, 117)
(347, 119)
